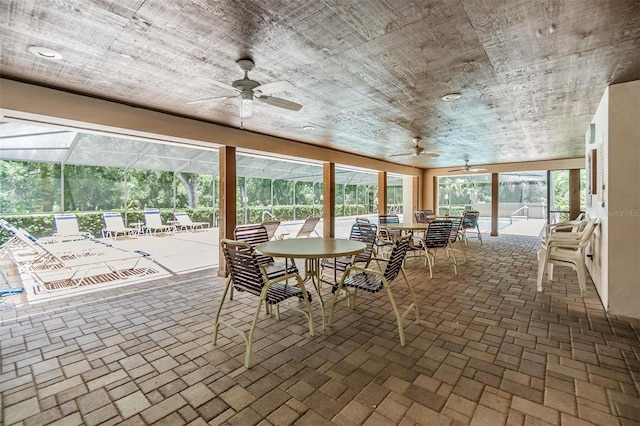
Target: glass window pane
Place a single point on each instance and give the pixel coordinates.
(523, 204)
(394, 194)
(273, 188)
(469, 192)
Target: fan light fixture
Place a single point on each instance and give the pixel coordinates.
(45, 53)
(451, 96)
(246, 104)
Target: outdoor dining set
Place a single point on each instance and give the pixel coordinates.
(262, 263)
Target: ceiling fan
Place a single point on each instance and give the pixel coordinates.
(467, 168)
(416, 150)
(248, 90)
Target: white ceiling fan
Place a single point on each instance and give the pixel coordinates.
(248, 90)
(416, 150)
(467, 168)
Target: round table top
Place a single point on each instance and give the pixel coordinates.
(406, 226)
(310, 248)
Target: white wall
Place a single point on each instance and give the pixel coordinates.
(615, 268)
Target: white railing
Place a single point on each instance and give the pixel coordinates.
(515, 215)
(266, 214)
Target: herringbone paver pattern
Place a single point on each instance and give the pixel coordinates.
(489, 350)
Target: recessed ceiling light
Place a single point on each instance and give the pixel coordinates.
(308, 127)
(451, 96)
(45, 53)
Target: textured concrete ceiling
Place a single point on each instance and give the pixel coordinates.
(369, 74)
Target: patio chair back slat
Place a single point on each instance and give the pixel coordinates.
(456, 223)
(360, 231)
(366, 233)
(256, 234)
(396, 259)
(438, 234)
(253, 235)
(243, 266)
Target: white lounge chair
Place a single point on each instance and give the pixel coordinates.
(153, 223)
(114, 225)
(308, 227)
(66, 225)
(185, 222)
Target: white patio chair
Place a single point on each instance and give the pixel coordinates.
(566, 248)
(470, 225)
(186, 224)
(308, 227)
(66, 225)
(153, 223)
(114, 225)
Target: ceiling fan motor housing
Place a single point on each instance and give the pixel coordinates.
(245, 85)
(245, 65)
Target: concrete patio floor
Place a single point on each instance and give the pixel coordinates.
(489, 350)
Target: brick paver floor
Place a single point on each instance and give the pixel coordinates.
(489, 350)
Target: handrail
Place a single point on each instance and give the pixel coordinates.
(526, 216)
(267, 213)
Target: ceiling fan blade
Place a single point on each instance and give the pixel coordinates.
(400, 155)
(455, 170)
(280, 103)
(219, 98)
(273, 87)
(430, 154)
(224, 85)
(473, 169)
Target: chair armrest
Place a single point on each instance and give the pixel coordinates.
(563, 226)
(568, 244)
(361, 269)
(565, 236)
(285, 277)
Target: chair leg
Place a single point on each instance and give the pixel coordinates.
(249, 338)
(305, 296)
(414, 304)
(582, 278)
(216, 327)
(337, 298)
(431, 260)
(453, 255)
(542, 260)
(464, 251)
(396, 312)
(335, 301)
